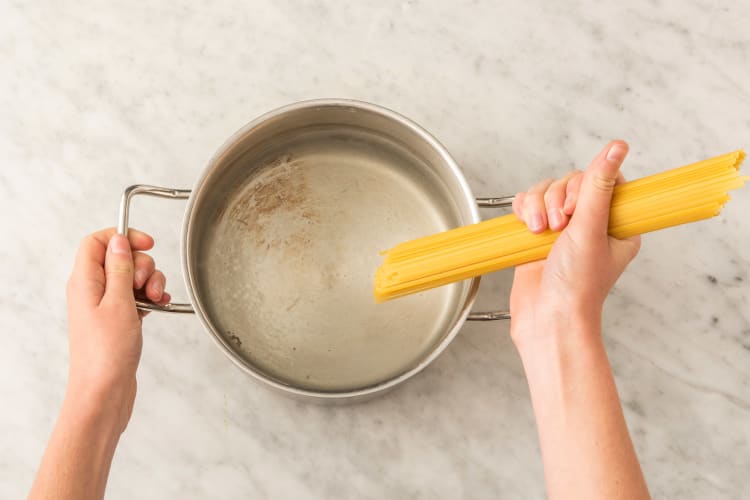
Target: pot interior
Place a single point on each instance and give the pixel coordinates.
(283, 239)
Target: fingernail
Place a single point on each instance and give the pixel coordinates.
(140, 277)
(119, 245)
(555, 218)
(536, 224)
(158, 289)
(617, 152)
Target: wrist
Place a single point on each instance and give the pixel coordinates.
(545, 328)
(100, 404)
(551, 360)
(93, 418)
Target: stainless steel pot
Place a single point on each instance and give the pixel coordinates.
(281, 237)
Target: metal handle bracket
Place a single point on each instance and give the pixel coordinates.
(497, 202)
(488, 316)
(122, 228)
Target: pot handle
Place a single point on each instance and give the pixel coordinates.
(122, 228)
(499, 202)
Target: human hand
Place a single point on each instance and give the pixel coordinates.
(571, 285)
(104, 324)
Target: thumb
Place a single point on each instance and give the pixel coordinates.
(118, 268)
(592, 208)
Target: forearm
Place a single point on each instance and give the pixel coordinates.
(79, 454)
(586, 448)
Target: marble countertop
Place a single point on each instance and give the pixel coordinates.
(97, 96)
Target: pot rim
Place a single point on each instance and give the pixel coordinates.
(360, 393)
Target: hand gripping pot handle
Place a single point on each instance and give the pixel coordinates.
(500, 202)
(122, 228)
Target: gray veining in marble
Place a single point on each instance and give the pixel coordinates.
(95, 96)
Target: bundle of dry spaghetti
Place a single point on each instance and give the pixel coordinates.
(686, 194)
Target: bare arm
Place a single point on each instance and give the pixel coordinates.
(105, 347)
(556, 309)
(586, 447)
(80, 450)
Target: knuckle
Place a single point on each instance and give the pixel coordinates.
(554, 192)
(528, 201)
(538, 199)
(119, 269)
(145, 260)
(162, 279)
(86, 240)
(540, 187)
(603, 183)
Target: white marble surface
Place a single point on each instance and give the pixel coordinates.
(95, 96)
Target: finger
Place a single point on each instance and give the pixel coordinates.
(138, 239)
(118, 269)
(571, 193)
(155, 286)
(144, 268)
(534, 213)
(87, 281)
(592, 211)
(554, 198)
(165, 299)
(518, 204)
